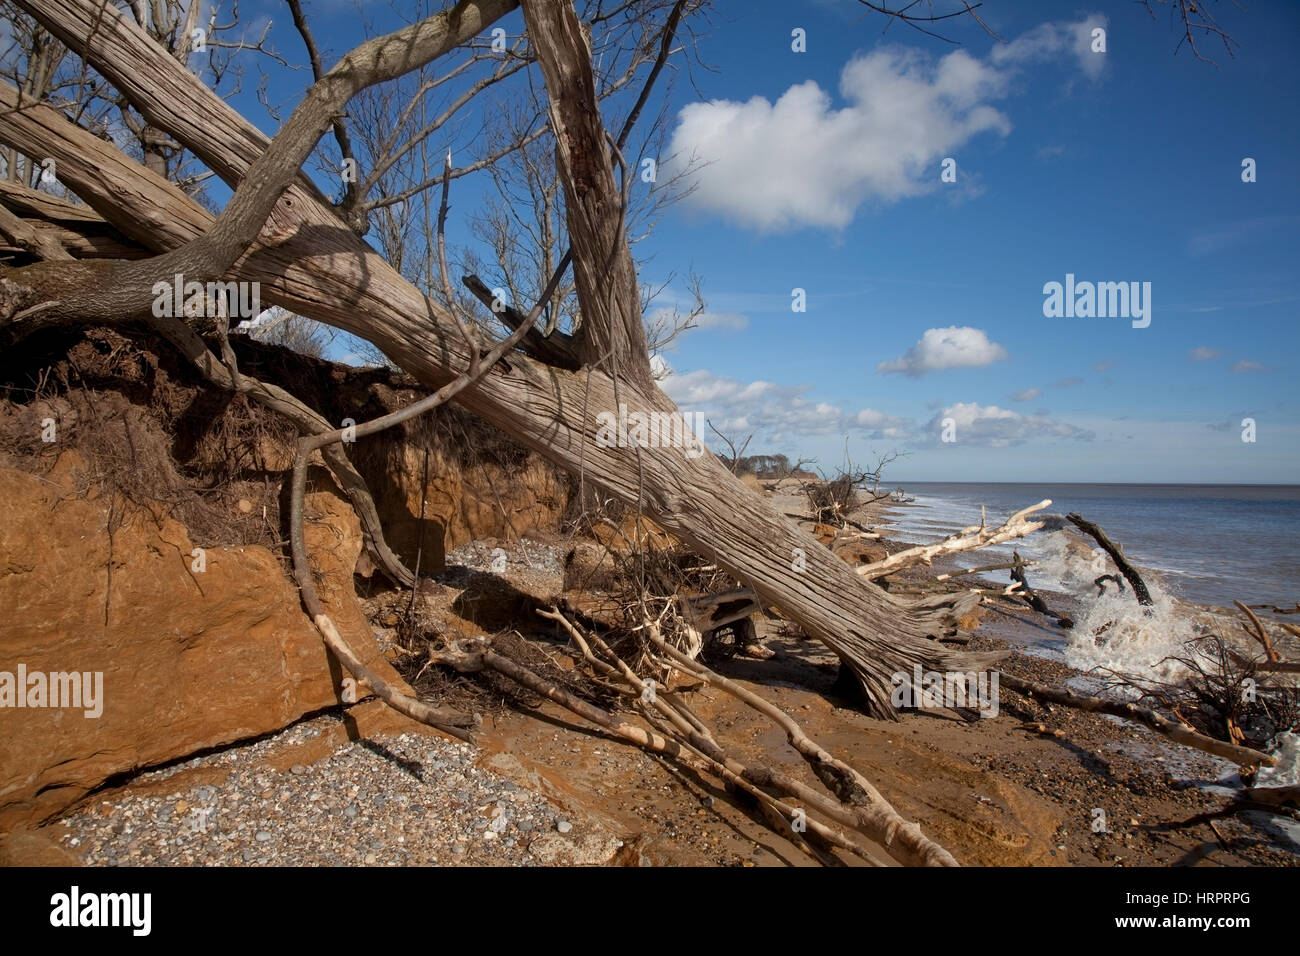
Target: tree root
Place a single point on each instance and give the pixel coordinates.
(858, 804)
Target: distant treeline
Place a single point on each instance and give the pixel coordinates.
(764, 466)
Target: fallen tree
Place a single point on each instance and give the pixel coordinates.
(307, 259)
(968, 539)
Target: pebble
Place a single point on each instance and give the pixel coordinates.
(258, 816)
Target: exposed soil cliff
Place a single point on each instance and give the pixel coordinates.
(141, 541)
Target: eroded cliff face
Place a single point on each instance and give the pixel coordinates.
(141, 544)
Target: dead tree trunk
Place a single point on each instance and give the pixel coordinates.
(308, 260)
(604, 274)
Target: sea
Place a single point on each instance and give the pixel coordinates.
(1209, 544)
(1194, 545)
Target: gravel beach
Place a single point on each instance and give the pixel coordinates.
(406, 799)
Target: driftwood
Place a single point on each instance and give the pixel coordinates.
(873, 813)
(708, 612)
(1004, 566)
(1116, 554)
(1032, 597)
(691, 747)
(858, 805)
(1275, 609)
(48, 241)
(1280, 667)
(38, 224)
(1257, 631)
(968, 539)
(280, 231)
(1243, 756)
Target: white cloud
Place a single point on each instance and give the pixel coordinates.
(976, 424)
(1203, 354)
(1055, 41)
(662, 321)
(728, 321)
(802, 162)
(1246, 365)
(772, 412)
(1026, 395)
(953, 347)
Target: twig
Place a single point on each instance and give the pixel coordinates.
(472, 655)
(869, 811)
(470, 341)
(1242, 756)
(735, 455)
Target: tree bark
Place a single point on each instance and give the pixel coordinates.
(308, 260)
(603, 271)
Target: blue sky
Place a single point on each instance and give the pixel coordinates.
(821, 171)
